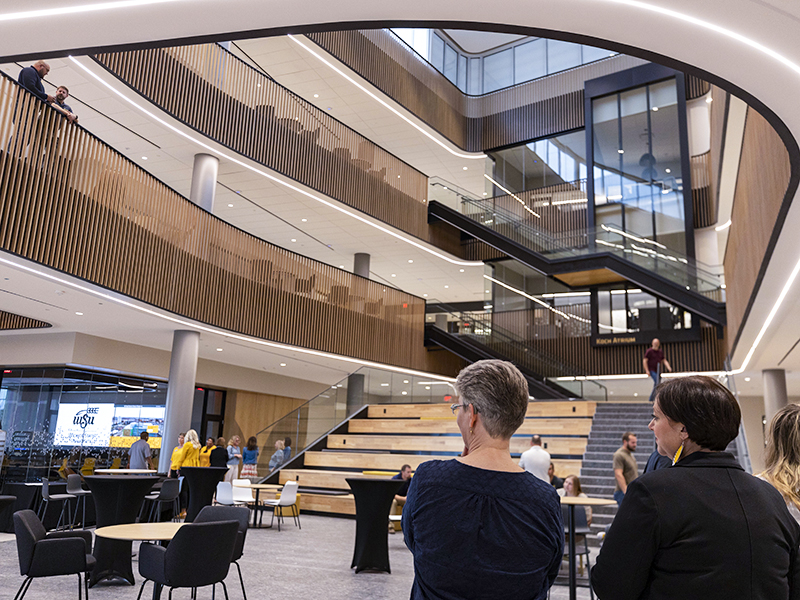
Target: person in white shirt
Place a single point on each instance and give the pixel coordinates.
(536, 460)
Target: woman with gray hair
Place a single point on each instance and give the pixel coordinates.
(479, 526)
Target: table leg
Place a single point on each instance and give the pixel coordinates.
(255, 510)
(573, 583)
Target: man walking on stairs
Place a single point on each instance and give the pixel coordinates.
(625, 467)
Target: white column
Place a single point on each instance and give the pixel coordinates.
(180, 392)
(775, 397)
(361, 264)
(204, 181)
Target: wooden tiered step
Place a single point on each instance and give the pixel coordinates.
(397, 434)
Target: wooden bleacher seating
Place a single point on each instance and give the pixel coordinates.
(396, 434)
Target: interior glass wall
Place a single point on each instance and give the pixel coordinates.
(632, 310)
(59, 420)
(538, 164)
(638, 181)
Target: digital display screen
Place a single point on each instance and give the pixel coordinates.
(107, 424)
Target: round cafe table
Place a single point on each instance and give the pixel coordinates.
(202, 483)
(373, 501)
(572, 502)
(117, 500)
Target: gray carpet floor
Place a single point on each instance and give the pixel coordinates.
(303, 564)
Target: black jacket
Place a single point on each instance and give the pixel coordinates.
(703, 529)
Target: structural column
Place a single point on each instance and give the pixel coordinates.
(361, 264)
(204, 181)
(180, 392)
(775, 396)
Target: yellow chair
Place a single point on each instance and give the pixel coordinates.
(116, 463)
(88, 467)
(63, 470)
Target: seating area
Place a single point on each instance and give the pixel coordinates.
(396, 434)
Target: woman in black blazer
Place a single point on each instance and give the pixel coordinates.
(703, 528)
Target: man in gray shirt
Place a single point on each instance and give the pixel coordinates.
(140, 455)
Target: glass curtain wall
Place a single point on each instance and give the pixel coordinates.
(638, 180)
(59, 421)
(517, 63)
(538, 164)
(621, 310)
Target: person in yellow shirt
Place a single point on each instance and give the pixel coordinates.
(190, 454)
(177, 451)
(205, 453)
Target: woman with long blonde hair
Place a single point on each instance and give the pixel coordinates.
(190, 454)
(783, 456)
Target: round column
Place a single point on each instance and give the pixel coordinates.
(361, 264)
(180, 392)
(775, 396)
(204, 181)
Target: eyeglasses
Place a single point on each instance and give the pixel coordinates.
(453, 407)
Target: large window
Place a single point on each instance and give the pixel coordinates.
(628, 310)
(638, 179)
(524, 60)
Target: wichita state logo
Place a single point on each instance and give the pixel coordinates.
(84, 418)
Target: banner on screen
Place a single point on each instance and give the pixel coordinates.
(83, 424)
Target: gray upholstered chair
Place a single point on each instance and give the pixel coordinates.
(241, 514)
(45, 555)
(188, 562)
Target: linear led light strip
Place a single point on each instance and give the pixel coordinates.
(286, 184)
(633, 237)
(84, 8)
(215, 331)
(384, 103)
(513, 195)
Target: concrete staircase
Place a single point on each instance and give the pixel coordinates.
(610, 421)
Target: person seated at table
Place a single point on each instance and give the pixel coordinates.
(205, 453)
(250, 459)
(400, 497)
(177, 452)
(480, 526)
(572, 487)
(190, 454)
(703, 528)
(276, 460)
(234, 457)
(555, 480)
(219, 455)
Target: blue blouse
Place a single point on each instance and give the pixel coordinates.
(249, 457)
(476, 533)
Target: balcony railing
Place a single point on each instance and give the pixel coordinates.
(246, 111)
(72, 203)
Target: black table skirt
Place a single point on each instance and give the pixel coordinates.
(202, 483)
(117, 499)
(373, 501)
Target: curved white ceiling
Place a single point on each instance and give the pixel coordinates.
(753, 44)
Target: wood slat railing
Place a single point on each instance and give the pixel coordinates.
(11, 321)
(538, 108)
(703, 202)
(70, 202)
(221, 97)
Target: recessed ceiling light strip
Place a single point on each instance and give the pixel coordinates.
(271, 177)
(183, 323)
(84, 8)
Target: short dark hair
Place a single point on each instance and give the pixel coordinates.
(65, 88)
(499, 394)
(144, 435)
(287, 441)
(704, 406)
(252, 443)
(627, 435)
(404, 467)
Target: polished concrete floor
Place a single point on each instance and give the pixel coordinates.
(303, 564)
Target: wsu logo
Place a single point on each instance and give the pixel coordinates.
(84, 418)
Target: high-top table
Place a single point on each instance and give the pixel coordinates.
(202, 483)
(572, 502)
(373, 501)
(117, 500)
(125, 471)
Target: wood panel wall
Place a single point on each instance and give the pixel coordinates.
(11, 321)
(764, 172)
(71, 203)
(253, 115)
(538, 108)
(704, 203)
(247, 413)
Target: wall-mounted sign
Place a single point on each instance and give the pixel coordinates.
(83, 424)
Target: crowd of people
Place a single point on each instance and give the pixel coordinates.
(700, 528)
